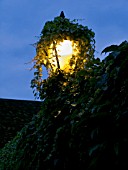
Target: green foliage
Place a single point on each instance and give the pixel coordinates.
(83, 122)
(53, 33)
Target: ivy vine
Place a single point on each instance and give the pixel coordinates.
(53, 33)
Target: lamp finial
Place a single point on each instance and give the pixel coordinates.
(62, 14)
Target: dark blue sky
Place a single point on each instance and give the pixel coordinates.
(22, 20)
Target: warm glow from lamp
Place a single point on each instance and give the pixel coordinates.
(64, 51)
(64, 48)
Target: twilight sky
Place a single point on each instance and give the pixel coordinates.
(22, 20)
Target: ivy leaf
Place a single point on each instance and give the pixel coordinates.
(93, 149)
(110, 49)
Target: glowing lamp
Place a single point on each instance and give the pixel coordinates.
(63, 52)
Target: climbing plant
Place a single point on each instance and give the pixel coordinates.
(83, 122)
(54, 33)
(85, 125)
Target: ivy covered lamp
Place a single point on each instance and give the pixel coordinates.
(64, 46)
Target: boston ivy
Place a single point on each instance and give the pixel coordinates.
(53, 33)
(83, 122)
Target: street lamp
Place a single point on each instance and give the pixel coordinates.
(64, 46)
